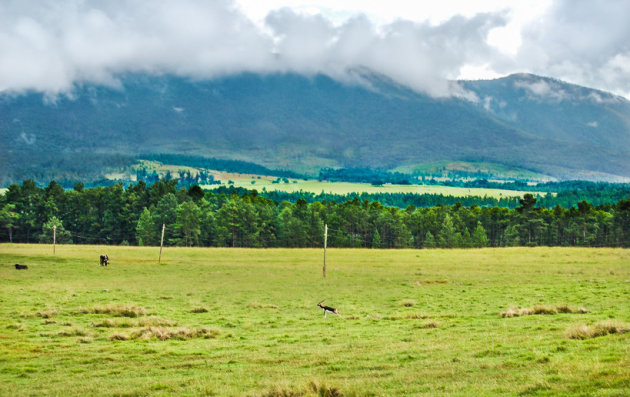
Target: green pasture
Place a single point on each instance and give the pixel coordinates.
(244, 322)
(500, 171)
(316, 186)
(258, 182)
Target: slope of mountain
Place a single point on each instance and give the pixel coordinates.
(305, 123)
(553, 109)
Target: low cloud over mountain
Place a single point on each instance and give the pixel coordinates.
(51, 46)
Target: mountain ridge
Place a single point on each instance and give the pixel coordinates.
(288, 121)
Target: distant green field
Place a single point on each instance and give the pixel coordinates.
(499, 171)
(315, 186)
(258, 182)
(244, 322)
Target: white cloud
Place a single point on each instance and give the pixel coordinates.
(582, 41)
(50, 46)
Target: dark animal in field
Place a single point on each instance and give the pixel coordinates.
(21, 267)
(328, 309)
(104, 260)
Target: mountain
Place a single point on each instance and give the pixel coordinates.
(290, 121)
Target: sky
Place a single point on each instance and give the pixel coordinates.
(51, 46)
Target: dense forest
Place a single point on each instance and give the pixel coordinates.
(604, 194)
(135, 215)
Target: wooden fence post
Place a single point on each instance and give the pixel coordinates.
(325, 244)
(161, 243)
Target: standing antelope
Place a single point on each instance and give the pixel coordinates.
(328, 309)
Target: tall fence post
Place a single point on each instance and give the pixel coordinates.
(54, 239)
(161, 243)
(325, 244)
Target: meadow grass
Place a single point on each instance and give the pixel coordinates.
(316, 186)
(244, 322)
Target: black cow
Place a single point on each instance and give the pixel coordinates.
(21, 267)
(104, 260)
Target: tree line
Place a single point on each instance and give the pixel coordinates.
(135, 214)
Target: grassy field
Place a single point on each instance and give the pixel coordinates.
(500, 171)
(244, 322)
(258, 182)
(314, 186)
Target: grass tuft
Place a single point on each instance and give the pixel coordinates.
(282, 392)
(119, 336)
(185, 333)
(16, 326)
(323, 390)
(544, 309)
(603, 328)
(421, 282)
(407, 302)
(431, 324)
(259, 305)
(416, 316)
(128, 323)
(72, 332)
(564, 309)
(313, 388)
(541, 309)
(116, 310)
(47, 313)
(155, 322)
(199, 310)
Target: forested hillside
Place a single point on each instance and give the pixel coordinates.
(306, 123)
(135, 215)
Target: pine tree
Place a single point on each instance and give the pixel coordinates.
(447, 236)
(146, 231)
(512, 237)
(61, 234)
(376, 239)
(188, 225)
(479, 236)
(429, 241)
